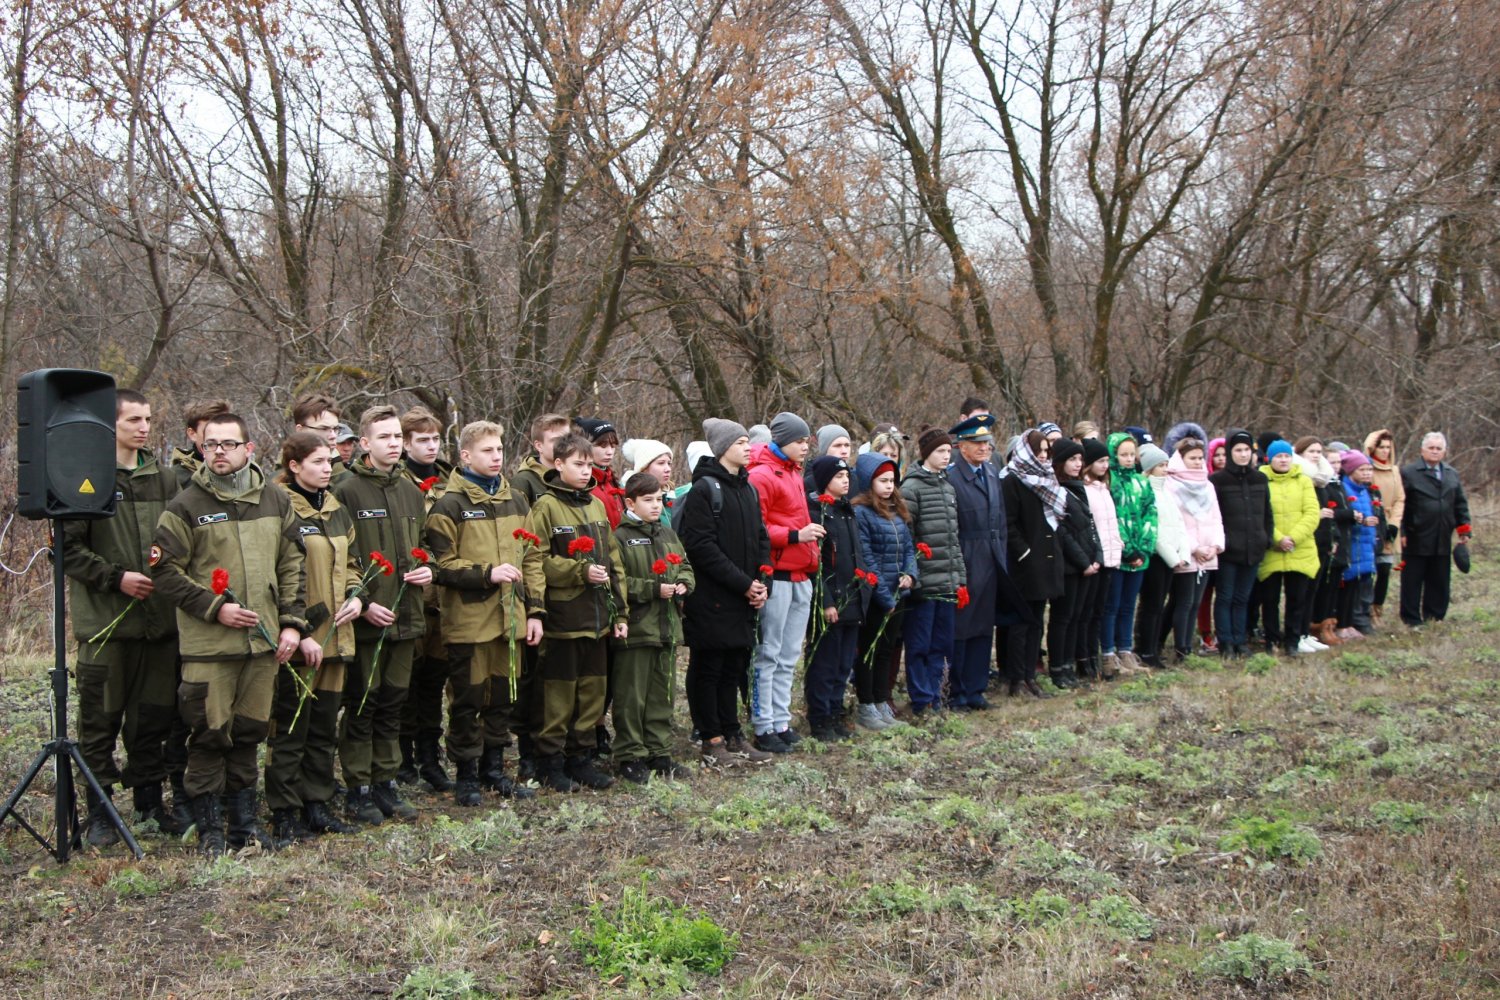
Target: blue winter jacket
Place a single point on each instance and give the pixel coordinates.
(1362, 538)
(885, 542)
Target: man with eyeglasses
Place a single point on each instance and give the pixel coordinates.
(320, 415)
(226, 554)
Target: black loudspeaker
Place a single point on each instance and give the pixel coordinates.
(65, 444)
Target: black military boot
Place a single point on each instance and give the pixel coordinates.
(466, 788)
(321, 819)
(430, 766)
(244, 822)
(551, 772)
(208, 814)
(100, 832)
(148, 806)
(182, 806)
(407, 773)
(583, 770)
(287, 827)
(388, 800)
(492, 776)
(360, 806)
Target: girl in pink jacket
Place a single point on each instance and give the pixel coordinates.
(1107, 523)
(1195, 497)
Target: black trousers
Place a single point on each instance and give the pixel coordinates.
(1296, 586)
(1187, 595)
(1090, 612)
(714, 677)
(1023, 644)
(1424, 588)
(1151, 611)
(1065, 625)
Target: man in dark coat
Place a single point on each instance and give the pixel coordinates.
(720, 525)
(1436, 508)
(993, 600)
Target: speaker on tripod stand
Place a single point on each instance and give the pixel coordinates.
(66, 469)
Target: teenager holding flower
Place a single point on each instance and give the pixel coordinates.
(230, 522)
(842, 599)
(300, 751)
(885, 541)
(930, 610)
(388, 511)
(490, 583)
(126, 631)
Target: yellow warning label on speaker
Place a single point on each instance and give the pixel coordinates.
(87, 487)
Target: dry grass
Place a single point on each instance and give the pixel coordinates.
(1080, 847)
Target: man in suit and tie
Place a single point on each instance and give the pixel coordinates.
(1436, 510)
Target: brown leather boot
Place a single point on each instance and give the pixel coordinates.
(1326, 632)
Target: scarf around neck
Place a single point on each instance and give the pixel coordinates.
(1040, 479)
(1191, 487)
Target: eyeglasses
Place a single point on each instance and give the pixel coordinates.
(210, 447)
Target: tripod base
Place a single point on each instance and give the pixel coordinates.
(66, 755)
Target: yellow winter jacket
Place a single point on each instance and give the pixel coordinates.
(1294, 505)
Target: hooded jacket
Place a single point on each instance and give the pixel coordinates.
(388, 512)
(98, 553)
(839, 557)
(575, 608)
(528, 479)
(1135, 508)
(726, 543)
(885, 541)
(783, 508)
(645, 545)
(1201, 522)
(1294, 509)
(934, 521)
(252, 535)
(1081, 547)
(1106, 521)
(469, 533)
(1364, 539)
(1245, 505)
(609, 493)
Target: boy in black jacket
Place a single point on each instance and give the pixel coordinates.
(839, 601)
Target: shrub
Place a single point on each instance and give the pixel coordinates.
(1040, 909)
(1403, 817)
(134, 882)
(1256, 959)
(1272, 838)
(650, 941)
(427, 983)
(1119, 913)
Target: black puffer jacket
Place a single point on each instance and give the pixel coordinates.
(934, 521)
(839, 557)
(1081, 547)
(727, 550)
(1245, 504)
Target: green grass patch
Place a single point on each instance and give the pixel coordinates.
(1256, 959)
(1260, 664)
(752, 814)
(1360, 665)
(1271, 839)
(1122, 915)
(134, 883)
(651, 942)
(1402, 817)
(429, 983)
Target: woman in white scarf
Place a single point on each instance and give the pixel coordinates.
(1198, 502)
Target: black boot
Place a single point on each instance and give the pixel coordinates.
(668, 768)
(182, 806)
(360, 806)
(100, 832)
(1062, 678)
(208, 814)
(492, 776)
(148, 806)
(287, 827)
(407, 773)
(551, 772)
(430, 766)
(321, 819)
(466, 789)
(635, 771)
(244, 822)
(583, 770)
(525, 758)
(387, 798)
(602, 744)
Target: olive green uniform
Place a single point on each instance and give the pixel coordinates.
(422, 715)
(572, 666)
(643, 672)
(304, 730)
(470, 532)
(127, 683)
(388, 512)
(228, 674)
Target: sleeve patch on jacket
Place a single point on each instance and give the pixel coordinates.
(637, 541)
(564, 529)
(309, 529)
(474, 515)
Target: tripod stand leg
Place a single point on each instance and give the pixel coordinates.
(109, 807)
(9, 808)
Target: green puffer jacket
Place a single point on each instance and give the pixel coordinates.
(253, 536)
(388, 512)
(470, 532)
(97, 554)
(934, 521)
(575, 608)
(1135, 508)
(654, 620)
(332, 569)
(1294, 506)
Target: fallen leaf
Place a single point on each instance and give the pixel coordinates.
(545, 937)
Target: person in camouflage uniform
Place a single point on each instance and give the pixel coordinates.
(227, 554)
(127, 678)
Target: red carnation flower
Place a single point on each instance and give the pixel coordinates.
(659, 567)
(419, 555)
(963, 598)
(825, 499)
(1465, 530)
(674, 558)
(766, 570)
(583, 545)
(1333, 504)
(518, 534)
(924, 550)
(427, 484)
(220, 581)
(1353, 500)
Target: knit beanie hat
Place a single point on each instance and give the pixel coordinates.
(696, 451)
(1062, 450)
(1141, 435)
(1048, 428)
(1278, 447)
(929, 440)
(1236, 436)
(1150, 457)
(720, 434)
(829, 433)
(593, 428)
(1093, 450)
(825, 468)
(788, 427)
(641, 452)
(1351, 461)
(759, 434)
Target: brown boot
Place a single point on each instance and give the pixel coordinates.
(1326, 632)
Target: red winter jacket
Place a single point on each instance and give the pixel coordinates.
(609, 494)
(783, 506)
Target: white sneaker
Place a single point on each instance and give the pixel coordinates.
(886, 713)
(1307, 644)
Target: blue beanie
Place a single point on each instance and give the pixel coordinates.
(1278, 447)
